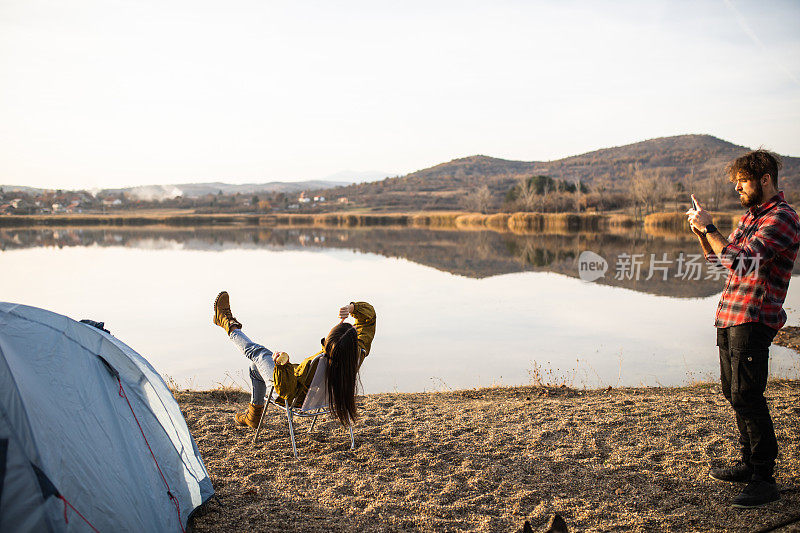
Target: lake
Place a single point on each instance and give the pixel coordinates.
(456, 309)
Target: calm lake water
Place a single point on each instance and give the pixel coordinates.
(455, 309)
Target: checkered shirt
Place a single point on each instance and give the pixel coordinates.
(760, 258)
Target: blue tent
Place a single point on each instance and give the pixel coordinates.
(91, 438)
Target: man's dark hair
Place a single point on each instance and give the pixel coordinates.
(753, 165)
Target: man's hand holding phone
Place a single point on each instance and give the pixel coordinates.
(698, 218)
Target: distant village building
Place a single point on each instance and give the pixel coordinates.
(344, 200)
(319, 198)
(303, 199)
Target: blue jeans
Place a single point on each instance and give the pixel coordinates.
(262, 364)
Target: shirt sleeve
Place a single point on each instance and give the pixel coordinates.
(733, 237)
(777, 232)
(365, 317)
(292, 379)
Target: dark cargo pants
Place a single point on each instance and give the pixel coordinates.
(744, 364)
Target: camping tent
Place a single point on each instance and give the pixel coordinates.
(91, 438)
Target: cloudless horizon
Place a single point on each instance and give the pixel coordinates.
(102, 94)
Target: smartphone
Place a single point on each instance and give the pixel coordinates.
(694, 204)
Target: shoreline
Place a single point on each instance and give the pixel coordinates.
(488, 459)
(518, 222)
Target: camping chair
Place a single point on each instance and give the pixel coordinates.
(315, 404)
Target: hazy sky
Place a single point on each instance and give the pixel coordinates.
(109, 93)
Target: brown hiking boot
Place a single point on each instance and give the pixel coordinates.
(223, 317)
(252, 417)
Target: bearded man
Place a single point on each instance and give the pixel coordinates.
(759, 255)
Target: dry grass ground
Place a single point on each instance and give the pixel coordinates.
(487, 459)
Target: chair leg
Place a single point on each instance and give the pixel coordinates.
(313, 421)
(268, 398)
(266, 404)
(291, 430)
(352, 438)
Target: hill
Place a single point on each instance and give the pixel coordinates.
(694, 161)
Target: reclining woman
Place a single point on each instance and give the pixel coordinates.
(345, 347)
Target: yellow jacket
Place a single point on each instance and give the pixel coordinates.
(293, 380)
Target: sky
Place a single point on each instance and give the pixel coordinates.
(110, 93)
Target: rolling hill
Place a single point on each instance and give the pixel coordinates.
(691, 159)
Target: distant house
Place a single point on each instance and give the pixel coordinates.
(112, 202)
(319, 198)
(303, 199)
(344, 200)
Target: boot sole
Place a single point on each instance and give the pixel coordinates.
(729, 480)
(755, 505)
(216, 302)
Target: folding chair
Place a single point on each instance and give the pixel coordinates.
(315, 404)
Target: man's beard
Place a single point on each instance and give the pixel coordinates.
(750, 200)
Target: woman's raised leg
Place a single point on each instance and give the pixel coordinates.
(262, 364)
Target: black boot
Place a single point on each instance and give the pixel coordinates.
(757, 493)
(741, 473)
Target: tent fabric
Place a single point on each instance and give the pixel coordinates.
(63, 415)
(3, 452)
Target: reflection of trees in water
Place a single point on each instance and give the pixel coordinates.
(475, 254)
(531, 252)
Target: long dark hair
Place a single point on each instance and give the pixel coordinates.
(341, 349)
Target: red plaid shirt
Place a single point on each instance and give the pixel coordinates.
(760, 258)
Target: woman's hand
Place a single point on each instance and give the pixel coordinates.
(345, 311)
(280, 358)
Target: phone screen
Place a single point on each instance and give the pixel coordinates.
(694, 204)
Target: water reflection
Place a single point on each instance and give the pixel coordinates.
(664, 265)
(456, 309)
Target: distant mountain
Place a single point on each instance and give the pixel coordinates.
(356, 176)
(194, 190)
(693, 159)
(22, 188)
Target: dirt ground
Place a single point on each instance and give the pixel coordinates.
(488, 459)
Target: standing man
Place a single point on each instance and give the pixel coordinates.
(759, 255)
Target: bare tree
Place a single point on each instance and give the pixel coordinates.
(478, 200)
(716, 189)
(526, 197)
(544, 199)
(648, 189)
(578, 196)
(601, 188)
